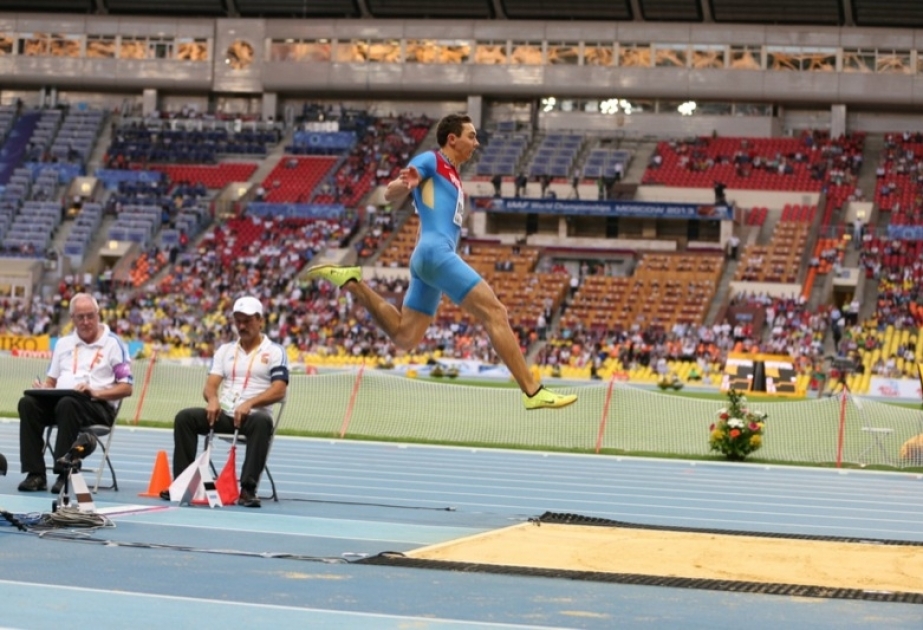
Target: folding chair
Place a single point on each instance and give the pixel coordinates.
(243, 440)
(101, 431)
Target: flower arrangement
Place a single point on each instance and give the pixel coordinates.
(739, 429)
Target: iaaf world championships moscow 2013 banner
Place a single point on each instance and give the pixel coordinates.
(636, 209)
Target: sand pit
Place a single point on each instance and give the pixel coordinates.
(697, 555)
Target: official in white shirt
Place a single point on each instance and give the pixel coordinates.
(93, 366)
(245, 379)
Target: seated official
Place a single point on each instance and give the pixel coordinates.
(245, 379)
(92, 362)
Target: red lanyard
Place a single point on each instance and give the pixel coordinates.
(96, 358)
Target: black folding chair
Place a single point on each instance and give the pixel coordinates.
(277, 418)
(103, 435)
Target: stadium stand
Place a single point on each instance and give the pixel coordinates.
(30, 230)
(213, 176)
(899, 178)
(672, 304)
(184, 313)
(555, 155)
(501, 154)
(77, 135)
(293, 179)
(17, 140)
(800, 163)
(398, 249)
(321, 143)
(756, 216)
(604, 162)
(663, 291)
(781, 261)
(155, 141)
(380, 152)
(86, 224)
(648, 308)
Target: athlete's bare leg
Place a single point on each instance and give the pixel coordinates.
(405, 327)
(482, 303)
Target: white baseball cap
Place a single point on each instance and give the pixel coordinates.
(248, 306)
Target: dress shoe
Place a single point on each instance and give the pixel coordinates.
(59, 484)
(33, 483)
(248, 498)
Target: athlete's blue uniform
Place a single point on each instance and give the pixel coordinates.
(435, 266)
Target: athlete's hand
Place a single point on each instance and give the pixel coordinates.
(410, 176)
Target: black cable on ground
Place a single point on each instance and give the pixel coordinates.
(36, 522)
(72, 517)
(450, 508)
(12, 520)
(72, 537)
(61, 527)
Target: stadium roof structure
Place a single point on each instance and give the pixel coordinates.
(865, 13)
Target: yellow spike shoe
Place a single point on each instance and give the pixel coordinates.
(335, 274)
(547, 399)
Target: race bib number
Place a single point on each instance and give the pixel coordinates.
(459, 210)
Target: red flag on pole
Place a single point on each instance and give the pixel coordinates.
(226, 484)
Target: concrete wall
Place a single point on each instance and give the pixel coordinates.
(389, 80)
(774, 200)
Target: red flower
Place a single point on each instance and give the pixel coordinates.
(724, 416)
(711, 428)
(734, 433)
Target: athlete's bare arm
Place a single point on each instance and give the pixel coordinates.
(398, 189)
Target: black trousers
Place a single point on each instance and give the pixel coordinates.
(69, 413)
(190, 423)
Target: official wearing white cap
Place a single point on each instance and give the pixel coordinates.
(248, 306)
(245, 379)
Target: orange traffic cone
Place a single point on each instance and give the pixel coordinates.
(160, 477)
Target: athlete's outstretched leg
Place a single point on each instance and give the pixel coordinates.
(482, 303)
(405, 327)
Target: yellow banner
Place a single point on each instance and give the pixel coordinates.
(15, 342)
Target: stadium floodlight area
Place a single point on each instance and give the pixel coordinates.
(608, 417)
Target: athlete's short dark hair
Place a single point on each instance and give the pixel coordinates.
(451, 124)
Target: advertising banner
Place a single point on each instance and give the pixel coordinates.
(16, 343)
(296, 210)
(894, 387)
(635, 209)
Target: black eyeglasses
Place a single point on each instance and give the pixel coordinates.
(84, 317)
